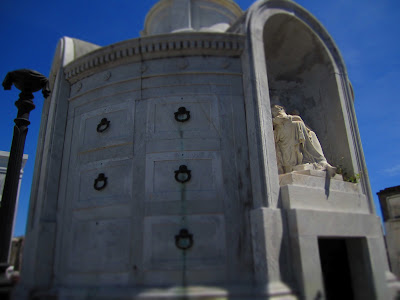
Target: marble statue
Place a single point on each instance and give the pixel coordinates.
(297, 146)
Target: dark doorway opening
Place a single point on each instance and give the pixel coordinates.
(346, 268)
(335, 269)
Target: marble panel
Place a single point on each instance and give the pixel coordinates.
(118, 188)
(205, 182)
(93, 134)
(202, 123)
(99, 246)
(208, 250)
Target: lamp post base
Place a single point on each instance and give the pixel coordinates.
(6, 285)
(3, 268)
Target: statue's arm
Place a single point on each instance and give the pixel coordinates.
(296, 118)
(279, 120)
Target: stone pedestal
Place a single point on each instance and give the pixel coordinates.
(321, 209)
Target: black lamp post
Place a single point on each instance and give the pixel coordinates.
(28, 82)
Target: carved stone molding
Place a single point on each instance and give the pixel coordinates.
(78, 87)
(107, 76)
(171, 45)
(183, 63)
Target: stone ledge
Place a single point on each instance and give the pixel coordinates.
(318, 179)
(315, 192)
(311, 223)
(300, 197)
(274, 290)
(154, 47)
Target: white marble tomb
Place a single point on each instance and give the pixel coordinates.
(156, 174)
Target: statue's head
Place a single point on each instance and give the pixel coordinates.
(277, 110)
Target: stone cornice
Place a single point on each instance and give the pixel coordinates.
(154, 47)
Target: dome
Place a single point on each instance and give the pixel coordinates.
(168, 16)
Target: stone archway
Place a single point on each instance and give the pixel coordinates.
(290, 55)
(303, 78)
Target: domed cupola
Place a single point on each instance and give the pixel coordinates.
(169, 16)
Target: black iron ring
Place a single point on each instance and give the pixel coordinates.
(100, 178)
(183, 170)
(184, 240)
(103, 125)
(181, 112)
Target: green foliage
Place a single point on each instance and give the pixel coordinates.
(347, 176)
(354, 179)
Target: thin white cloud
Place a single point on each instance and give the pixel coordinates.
(392, 171)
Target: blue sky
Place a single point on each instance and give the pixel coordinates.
(367, 33)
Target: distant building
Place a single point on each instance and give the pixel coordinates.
(17, 246)
(3, 170)
(389, 199)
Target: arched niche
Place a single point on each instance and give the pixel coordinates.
(303, 77)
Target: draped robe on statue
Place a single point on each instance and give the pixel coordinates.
(296, 144)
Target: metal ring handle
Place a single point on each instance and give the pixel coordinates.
(100, 178)
(182, 115)
(103, 125)
(183, 170)
(184, 240)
